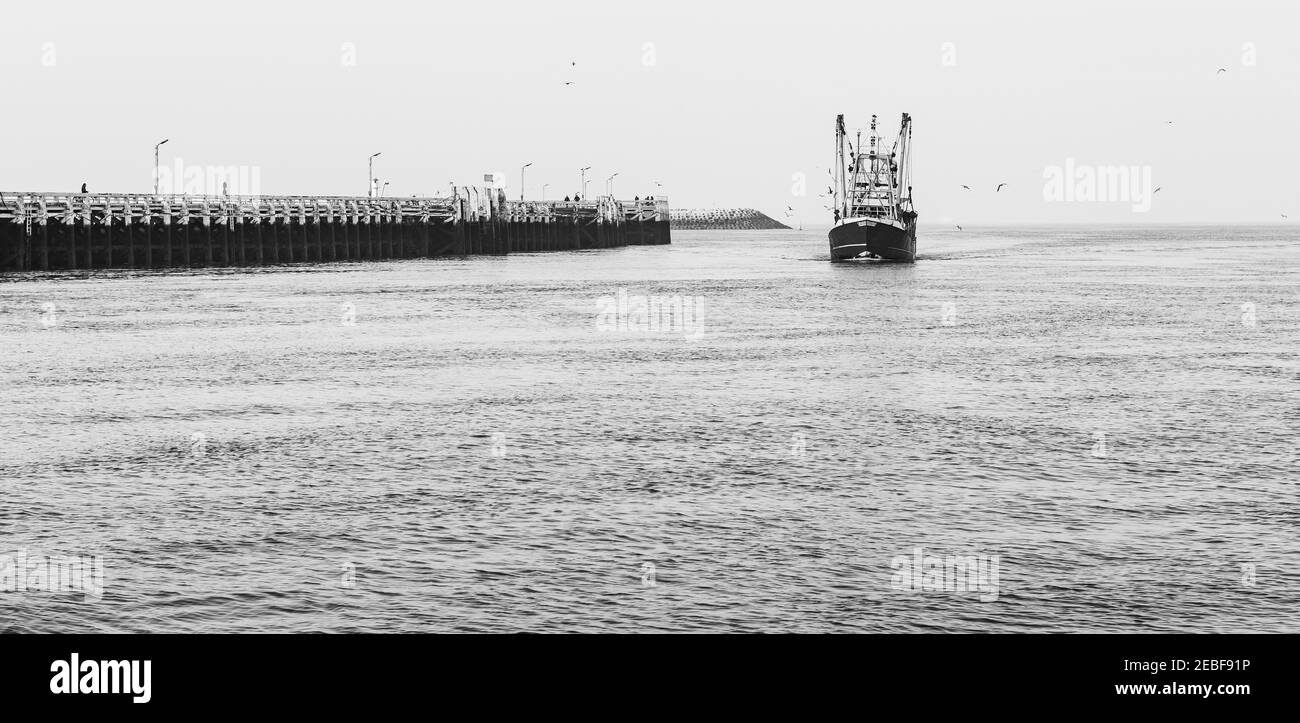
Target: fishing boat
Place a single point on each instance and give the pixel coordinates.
(874, 216)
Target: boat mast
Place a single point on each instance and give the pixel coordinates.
(840, 201)
(858, 171)
(904, 144)
(873, 179)
(882, 167)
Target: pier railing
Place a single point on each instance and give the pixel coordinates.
(53, 230)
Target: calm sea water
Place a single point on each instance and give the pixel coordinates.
(466, 444)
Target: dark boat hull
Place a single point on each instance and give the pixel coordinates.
(866, 238)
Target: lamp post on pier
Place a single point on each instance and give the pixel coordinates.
(521, 180)
(157, 169)
(370, 176)
(609, 185)
(544, 187)
(583, 185)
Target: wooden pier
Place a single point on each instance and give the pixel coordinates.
(62, 231)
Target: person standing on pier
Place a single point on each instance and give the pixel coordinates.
(83, 188)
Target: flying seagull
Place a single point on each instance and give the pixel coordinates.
(965, 187)
(1157, 190)
(568, 82)
(1285, 216)
(1169, 123)
(1000, 185)
(959, 228)
(1221, 70)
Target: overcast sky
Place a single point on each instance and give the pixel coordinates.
(721, 102)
